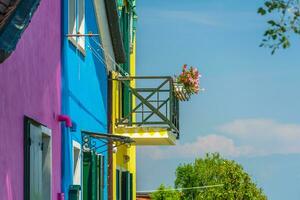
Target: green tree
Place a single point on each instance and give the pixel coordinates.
(215, 170)
(227, 179)
(283, 22)
(165, 193)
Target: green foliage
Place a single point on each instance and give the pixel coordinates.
(165, 193)
(231, 181)
(215, 170)
(285, 20)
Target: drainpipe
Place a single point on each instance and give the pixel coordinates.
(65, 118)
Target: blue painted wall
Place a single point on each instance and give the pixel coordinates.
(84, 92)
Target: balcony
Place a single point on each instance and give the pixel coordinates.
(149, 109)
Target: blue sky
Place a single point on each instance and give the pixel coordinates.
(250, 111)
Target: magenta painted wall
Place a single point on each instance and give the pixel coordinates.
(30, 84)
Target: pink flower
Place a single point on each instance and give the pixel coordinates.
(190, 78)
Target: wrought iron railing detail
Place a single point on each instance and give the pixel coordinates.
(155, 102)
(98, 142)
(88, 144)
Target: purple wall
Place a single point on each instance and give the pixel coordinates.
(30, 85)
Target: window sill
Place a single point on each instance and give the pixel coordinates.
(77, 46)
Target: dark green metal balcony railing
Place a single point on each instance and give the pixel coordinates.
(155, 103)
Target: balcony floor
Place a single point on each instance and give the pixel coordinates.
(148, 135)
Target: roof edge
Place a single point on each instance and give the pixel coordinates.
(115, 31)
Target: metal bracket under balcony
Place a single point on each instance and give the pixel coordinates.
(92, 141)
(151, 102)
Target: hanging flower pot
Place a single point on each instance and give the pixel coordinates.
(187, 83)
(180, 92)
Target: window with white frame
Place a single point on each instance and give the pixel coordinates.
(76, 22)
(76, 164)
(38, 161)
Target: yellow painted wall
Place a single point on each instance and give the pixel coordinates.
(123, 151)
(133, 148)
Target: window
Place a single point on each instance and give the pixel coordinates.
(81, 20)
(76, 22)
(76, 164)
(37, 161)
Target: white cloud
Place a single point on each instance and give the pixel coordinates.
(264, 135)
(243, 137)
(261, 128)
(201, 146)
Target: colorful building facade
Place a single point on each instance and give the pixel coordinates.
(84, 99)
(72, 108)
(144, 109)
(123, 160)
(91, 51)
(30, 100)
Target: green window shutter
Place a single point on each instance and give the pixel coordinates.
(100, 177)
(94, 176)
(128, 196)
(131, 186)
(125, 14)
(99, 192)
(87, 178)
(127, 94)
(125, 185)
(125, 28)
(118, 184)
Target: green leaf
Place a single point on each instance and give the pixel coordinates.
(261, 11)
(273, 51)
(268, 4)
(272, 23)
